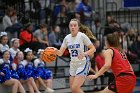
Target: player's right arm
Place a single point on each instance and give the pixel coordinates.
(60, 51)
(62, 48)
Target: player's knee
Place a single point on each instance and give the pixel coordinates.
(74, 88)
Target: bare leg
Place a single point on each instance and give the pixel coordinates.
(42, 82)
(71, 79)
(34, 85)
(48, 83)
(29, 84)
(37, 83)
(21, 89)
(12, 82)
(77, 83)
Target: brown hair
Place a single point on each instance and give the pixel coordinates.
(43, 26)
(114, 40)
(84, 29)
(8, 10)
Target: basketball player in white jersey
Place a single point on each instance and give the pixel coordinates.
(79, 65)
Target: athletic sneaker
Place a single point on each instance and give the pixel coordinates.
(49, 90)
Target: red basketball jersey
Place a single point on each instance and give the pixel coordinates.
(120, 63)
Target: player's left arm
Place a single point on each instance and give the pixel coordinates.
(108, 60)
(91, 50)
(89, 44)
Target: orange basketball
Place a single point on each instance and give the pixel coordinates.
(49, 55)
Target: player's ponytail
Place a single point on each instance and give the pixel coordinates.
(114, 40)
(84, 29)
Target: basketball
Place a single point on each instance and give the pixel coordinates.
(49, 55)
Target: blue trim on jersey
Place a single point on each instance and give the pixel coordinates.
(83, 69)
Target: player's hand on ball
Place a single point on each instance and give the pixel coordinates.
(91, 77)
(50, 47)
(55, 49)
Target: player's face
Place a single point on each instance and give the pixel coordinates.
(73, 26)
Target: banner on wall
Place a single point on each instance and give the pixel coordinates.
(131, 3)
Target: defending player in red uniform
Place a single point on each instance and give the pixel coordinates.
(116, 59)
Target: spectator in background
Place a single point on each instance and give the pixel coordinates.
(112, 27)
(3, 42)
(54, 38)
(41, 34)
(14, 47)
(135, 48)
(5, 74)
(109, 18)
(27, 40)
(10, 22)
(19, 65)
(57, 9)
(84, 12)
(97, 31)
(44, 74)
(126, 27)
(96, 27)
(71, 9)
(44, 4)
(62, 19)
(131, 36)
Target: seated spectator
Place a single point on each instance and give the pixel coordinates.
(131, 36)
(5, 74)
(54, 38)
(57, 9)
(84, 12)
(20, 65)
(135, 48)
(3, 42)
(10, 22)
(14, 47)
(62, 19)
(96, 28)
(42, 35)
(126, 27)
(27, 40)
(44, 74)
(110, 25)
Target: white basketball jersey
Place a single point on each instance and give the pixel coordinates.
(76, 44)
